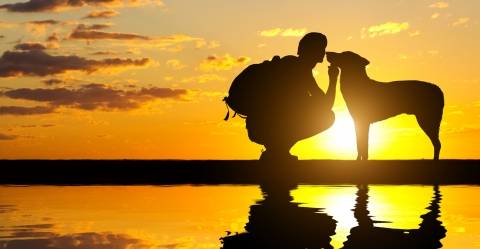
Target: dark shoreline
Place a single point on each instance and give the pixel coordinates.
(169, 172)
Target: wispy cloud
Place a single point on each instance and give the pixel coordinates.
(388, 28)
(7, 25)
(92, 32)
(203, 78)
(61, 5)
(87, 97)
(23, 110)
(30, 46)
(40, 63)
(221, 63)
(289, 32)
(7, 137)
(439, 5)
(462, 21)
(175, 64)
(101, 14)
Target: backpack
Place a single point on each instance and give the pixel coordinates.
(249, 88)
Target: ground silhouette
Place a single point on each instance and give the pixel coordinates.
(369, 101)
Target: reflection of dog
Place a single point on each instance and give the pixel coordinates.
(369, 101)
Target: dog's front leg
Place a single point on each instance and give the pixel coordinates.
(361, 130)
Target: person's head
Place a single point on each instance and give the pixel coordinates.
(311, 48)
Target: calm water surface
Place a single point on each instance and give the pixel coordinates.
(303, 216)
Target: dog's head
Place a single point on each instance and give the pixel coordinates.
(346, 60)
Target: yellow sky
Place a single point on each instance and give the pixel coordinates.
(145, 79)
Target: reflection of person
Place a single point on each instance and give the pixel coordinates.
(276, 222)
(297, 107)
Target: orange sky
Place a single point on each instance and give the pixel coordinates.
(145, 79)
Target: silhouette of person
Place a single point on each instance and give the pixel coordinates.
(366, 235)
(296, 107)
(276, 222)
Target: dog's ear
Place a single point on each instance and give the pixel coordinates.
(364, 61)
(332, 57)
(355, 58)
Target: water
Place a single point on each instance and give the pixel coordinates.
(290, 216)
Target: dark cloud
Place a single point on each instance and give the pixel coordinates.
(51, 82)
(53, 38)
(35, 226)
(91, 32)
(104, 53)
(30, 46)
(22, 110)
(101, 14)
(93, 26)
(37, 126)
(39, 63)
(2, 36)
(50, 5)
(93, 97)
(55, 5)
(88, 240)
(5, 208)
(44, 22)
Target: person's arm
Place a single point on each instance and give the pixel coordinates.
(332, 86)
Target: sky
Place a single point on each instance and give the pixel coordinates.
(145, 79)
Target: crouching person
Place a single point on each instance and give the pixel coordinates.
(281, 99)
(296, 107)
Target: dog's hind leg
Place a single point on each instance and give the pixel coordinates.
(361, 130)
(431, 126)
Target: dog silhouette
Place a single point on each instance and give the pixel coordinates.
(369, 101)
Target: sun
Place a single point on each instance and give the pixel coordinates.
(341, 136)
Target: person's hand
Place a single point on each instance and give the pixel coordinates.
(333, 72)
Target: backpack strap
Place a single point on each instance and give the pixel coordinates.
(228, 109)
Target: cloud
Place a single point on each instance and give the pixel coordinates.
(203, 78)
(51, 82)
(7, 137)
(59, 5)
(2, 36)
(39, 27)
(222, 63)
(84, 32)
(30, 46)
(289, 32)
(40, 63)
(175, 64)
(7, 25)
(439, 5)
(294, 32)
(22, 110)
(388, 28)
(30, 238)
(461, 21)
(91, 97)
(204, 44)
(435, 15)
(102, 14)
